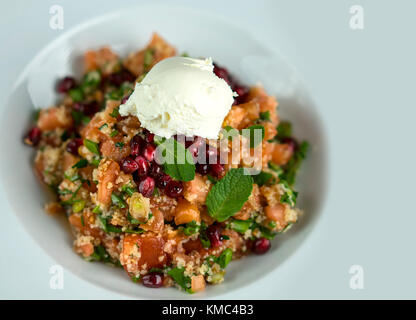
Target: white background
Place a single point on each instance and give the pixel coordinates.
(363, 83)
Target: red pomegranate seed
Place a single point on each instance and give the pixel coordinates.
(202, 168)
(217, 169)
(73, 145)
(242, 92)
(163, 180)
(136, 145)
(153, 280)
(291, 142)
(66, 84)
(212, 154)
(149, 152)
(221, 73)
(33, 136)
(87, 108)
(155, 170)
(197, 148)
(174, 189)
(143, 166)
(150, 137)
(129, 165)
(214, 235)
(118, 78)
(261, 246)
(147, 186)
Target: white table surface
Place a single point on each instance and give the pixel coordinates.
(363, 83)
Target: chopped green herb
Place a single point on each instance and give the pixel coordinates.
(119, 145)
(79, 117)
(118, 201)
(191, 228)
(292, 167)
(97, 210)
(92, 146)
(276, 169)
(183, 281)
(91, 81)
(114, 133)
(80, 164)
(148, 58)
(105, 125)
(128, 189)
(284, 130)
(114, 113)
(289, 196)
(272, 224)
(82, 221)
(225, 258)
(241, 226)
(265, 116)
(76, 94)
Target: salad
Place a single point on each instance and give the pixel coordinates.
(165, 224)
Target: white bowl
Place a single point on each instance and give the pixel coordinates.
(198, 34)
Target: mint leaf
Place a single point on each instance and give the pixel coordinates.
(182, 280)
(80, 164)
(175, 158)
(284, 130)
(249, 133)
(265, 116)
(229, 194)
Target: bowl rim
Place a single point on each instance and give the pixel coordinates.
(79, 27)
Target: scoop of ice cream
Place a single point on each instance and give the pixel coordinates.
(181, 95)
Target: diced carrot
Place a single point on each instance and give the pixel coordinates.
(252, 111)
(156, 223)
(87, 249)
(197, 283)
(142, 252)
(270, 130)
(235, 117)
(108, 171)
(54, 118)
(186, 212)
(276, 212)
(196, 191)
(282, 153)
(68, 160)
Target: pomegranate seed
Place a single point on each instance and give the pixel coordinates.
(87, 108)
(217, 169)
(290, 141)
(242, 92)
(214, 235)
(143, 166)
(149, 152)
(124, 100)
(212, 154)
(136, 145)
(155, 170)
(174, 189)
(33, 136)
(118, 78)
(222, 73)
(163, 180)
(153, 280)
(197, 148)
(261, 246)
(129, 165)
(73, 145)
(202, 168)
(66, 84)
(150, 137)
(147, 186)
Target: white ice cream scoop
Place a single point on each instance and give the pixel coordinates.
(181, 95)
